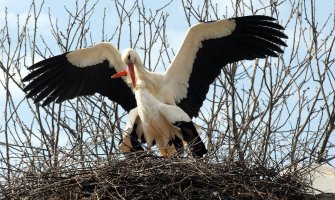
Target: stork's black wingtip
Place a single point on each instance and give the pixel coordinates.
(269, 18)
(26, 78)
(34, 66)
(47, 101)
(29, 94)
(25, 90)
(280, 27)
(256, 17)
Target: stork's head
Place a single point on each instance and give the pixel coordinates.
(130, 58)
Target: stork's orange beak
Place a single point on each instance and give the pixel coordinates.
(132, 74)
(120, 74)
(125, 72)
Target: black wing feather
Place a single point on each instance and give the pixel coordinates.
(253, 37)
(56, 79)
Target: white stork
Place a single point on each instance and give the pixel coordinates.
(160, 106)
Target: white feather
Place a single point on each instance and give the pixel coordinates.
(177, 76)
(173, 113)
(97, 54)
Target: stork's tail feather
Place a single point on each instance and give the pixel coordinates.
(192, 138)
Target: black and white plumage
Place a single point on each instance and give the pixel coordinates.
(78, 73)
(158, 102)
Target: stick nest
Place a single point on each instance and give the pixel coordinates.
(159, 178)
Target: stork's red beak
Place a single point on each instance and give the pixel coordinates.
(120, 74)
(132, 74)
(130, 69)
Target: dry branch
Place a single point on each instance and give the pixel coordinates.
(146, 177)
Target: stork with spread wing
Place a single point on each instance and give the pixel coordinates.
(160, 106)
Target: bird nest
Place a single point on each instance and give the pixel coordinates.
(161, 178)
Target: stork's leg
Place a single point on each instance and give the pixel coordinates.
(131, 143)
(178, 144)
(167, 151)
(136, 145)
(191, 136)
(165, 147)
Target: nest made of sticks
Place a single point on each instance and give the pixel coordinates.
(161, 178)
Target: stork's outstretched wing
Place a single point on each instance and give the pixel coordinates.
(80, 72)
(210, 46)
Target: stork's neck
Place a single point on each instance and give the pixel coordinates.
(146, 80)
(141, 76)
(140, 71)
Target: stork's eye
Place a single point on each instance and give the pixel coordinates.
(129, 57)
